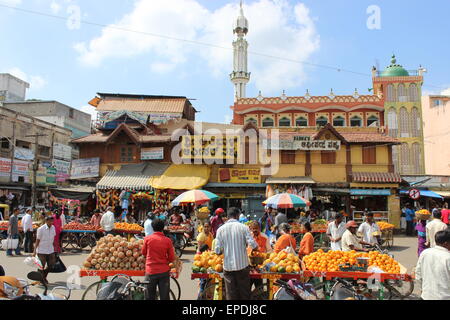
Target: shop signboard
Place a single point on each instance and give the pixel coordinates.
(152, 153)
(62, 151)
(85, 168)
(23, 154)
(159, 118)
(41, 175)
(298, 142)
(231, 175)
(21, 169)
(209, 147)
(62, 170)
(370, 192)
(5, 167)
(51, 176)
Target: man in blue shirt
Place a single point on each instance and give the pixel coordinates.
(148, 224)
(410, 215)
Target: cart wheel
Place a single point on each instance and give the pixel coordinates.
(91, 292)
(260, 293)
(399, 289)
(87, 240)
(69, 241)
(208, 292)
(177, 289)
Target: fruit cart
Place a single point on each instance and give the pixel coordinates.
(319, 232)
(4, 227)
(327, 278)
(78, 239)
(91, 292)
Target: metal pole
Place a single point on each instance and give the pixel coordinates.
(35, 168)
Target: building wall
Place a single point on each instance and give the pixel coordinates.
(55, 112)
(436, 135)
(12, 88)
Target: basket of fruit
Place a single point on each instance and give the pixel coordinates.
(423, 214)
(202, 213)
(257, 258)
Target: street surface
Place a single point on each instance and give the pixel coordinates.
(404, 251)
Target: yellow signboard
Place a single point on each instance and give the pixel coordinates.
(231, 175)
(210, 147)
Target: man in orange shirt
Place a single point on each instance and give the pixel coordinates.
(285, 240)
(307, 243)
(261, 239)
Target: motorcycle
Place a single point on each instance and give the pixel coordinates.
(39, 278)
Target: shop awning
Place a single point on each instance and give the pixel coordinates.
(135, 176)
(377, 177)
(370, 192)
(342, 191)
(182, 177)
(235, 185)
(424, 193)
(290, 180)
(445, 194)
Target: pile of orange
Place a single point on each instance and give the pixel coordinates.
(283, 262)
(330, 261)
(128, 226)
(385, 225)
(207, 260)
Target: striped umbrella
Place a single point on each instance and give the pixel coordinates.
(286, 201)
(194, 196)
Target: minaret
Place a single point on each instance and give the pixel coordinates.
(240, 76)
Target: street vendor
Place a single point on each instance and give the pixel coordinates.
(96, 217)
(176, 219)
(217, 220)
(205, 238)
(286, 239)
(307, 242)
(260, 238)
(335, 232)
(368, 229)
(349, 240)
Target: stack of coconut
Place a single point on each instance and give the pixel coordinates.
(116, 253)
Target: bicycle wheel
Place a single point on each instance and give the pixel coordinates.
(209, 292)
(398, 289)
(69, 241)
(177, 290)
(91, 292)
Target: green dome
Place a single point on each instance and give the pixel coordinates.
(395, 70)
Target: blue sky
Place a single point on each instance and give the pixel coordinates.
(72, 64)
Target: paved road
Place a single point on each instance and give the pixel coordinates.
(404, 251)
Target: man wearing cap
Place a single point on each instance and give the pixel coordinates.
(44, 246)
(335, 231)
(367, 229)
(217, 221)
(349, 240)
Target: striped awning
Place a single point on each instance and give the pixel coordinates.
(376, 177)
(134, 177)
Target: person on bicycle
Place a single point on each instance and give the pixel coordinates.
(159, 253)
(349, 240)
(368, 229)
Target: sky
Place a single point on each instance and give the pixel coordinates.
(68, 50)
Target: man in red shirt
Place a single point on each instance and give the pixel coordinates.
(445, 214)
(159, 253)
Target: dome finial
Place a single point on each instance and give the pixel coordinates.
(393, 59)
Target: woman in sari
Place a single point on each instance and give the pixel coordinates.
(421, 235)
(57, 223)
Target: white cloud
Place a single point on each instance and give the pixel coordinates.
(446, 92)
(277, 28)
(55, 7)
(36, 82)
(89, 109)
(12, 2)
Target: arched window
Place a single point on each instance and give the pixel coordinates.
(355, 122)
(413, 94)
(392, 123)
(268, 122)
(404, 159)
(373, 121)
(390, 93)
(402, 96)
(404, 123)
(395, 153)
(416, 157)
(415, 122)
(284, 122)
(252, 120)
(321, 121)
(301, 122)
(338, 122)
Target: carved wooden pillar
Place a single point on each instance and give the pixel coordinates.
(308, 166)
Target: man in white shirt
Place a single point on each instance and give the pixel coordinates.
(433, 228)
(44, 247)
(367, 229)
(349, 240)
(148, 224)
(433, 269)
(335, 232)
(107, 221)
(27, 226)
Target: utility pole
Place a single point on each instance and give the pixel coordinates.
(35, 166)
